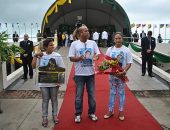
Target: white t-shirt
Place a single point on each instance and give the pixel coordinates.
(123, 54)
(44, 60)
(104, 35)
(95, 36)
(88, 49)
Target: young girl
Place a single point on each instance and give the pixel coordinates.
(116, 84)
(49, 90)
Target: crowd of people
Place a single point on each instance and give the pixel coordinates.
(83, 52)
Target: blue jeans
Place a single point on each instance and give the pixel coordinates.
(116, 86)
(80, 82)
(47, 94)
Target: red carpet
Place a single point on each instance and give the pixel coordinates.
(136, 116)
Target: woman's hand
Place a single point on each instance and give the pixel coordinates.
(40, 54)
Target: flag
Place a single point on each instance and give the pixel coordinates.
(138, 25)
(143, 25)
(132, 25)
(12, 25)
(161, 25)
(154, 26)
(149, 26)
(6, 25)
(167, 25)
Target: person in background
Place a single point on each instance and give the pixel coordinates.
(96, 36)
(104, 38)
(117, 86)
(160, 39)
(38, 36)
(136, 36)
(48, 90)
(148, 45)
(70, 39)
(142, 34)
(26, 57)
(66, 39)
(15, 37)
(83, 52)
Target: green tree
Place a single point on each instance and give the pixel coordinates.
(6, 51)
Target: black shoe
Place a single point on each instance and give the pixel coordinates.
(25, 80)
(143, 74)
(151, 75)
(31, 77)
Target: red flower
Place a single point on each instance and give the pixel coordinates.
(111, 66)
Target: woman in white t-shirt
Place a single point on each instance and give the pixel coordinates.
(49, 90)
(116, 84)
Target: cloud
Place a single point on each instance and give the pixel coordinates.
(24, 10)
(154, 11)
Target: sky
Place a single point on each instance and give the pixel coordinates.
(32, 11)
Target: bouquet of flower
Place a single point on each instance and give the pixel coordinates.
(111, 66)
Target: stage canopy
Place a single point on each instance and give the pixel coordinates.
(100, 14)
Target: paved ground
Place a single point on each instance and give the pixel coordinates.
(21, 103)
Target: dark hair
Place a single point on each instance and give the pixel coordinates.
(119, 34)
(46, 42)
(150, 33)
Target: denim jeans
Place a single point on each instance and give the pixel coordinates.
(47, 94)
(80, 82)
(116, 86)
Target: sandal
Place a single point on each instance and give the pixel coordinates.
(45, 122)
(55, 120)
(108, 115)
(121, 116)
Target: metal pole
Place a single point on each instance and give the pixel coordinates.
(165, 33)
(25, 28)
(31, 30)
(37, 26)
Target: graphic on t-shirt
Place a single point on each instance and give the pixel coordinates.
(87, 53)
(119, 55)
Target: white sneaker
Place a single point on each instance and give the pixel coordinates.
(77, 119)
(93, 117)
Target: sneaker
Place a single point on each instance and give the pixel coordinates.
(93, 117)
(77, 119)
(45, 122)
